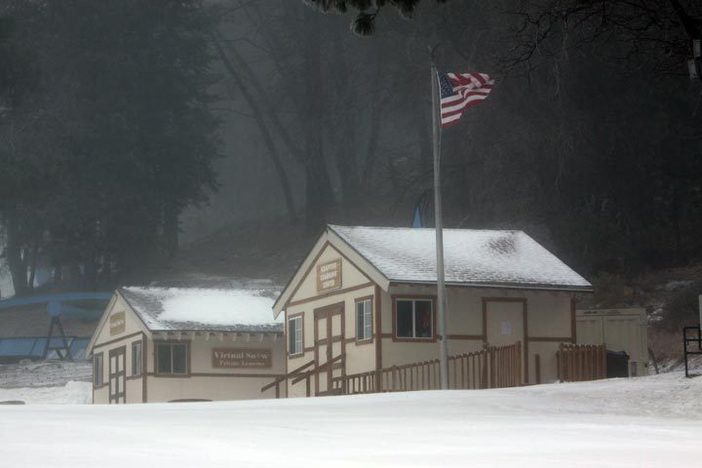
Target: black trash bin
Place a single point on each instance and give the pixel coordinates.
(617, 364)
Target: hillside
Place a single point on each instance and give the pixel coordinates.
(270, 250)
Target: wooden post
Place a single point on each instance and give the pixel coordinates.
(537, 364)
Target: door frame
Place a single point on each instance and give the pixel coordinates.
(328, 312)
(115, 397)
(525, 316)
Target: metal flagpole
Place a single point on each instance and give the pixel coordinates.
(440, 284)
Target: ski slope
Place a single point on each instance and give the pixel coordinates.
(649, 421)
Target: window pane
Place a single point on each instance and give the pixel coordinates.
(368, 319)
(164, 358)
(404, 319)
(97, 369)
(298, 336)
(368, 333)
(291, 336)
(360, 324)
(423, 319)
(136, 358)
(294, 335)
(179, 359)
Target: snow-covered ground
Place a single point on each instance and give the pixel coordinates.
(71, 393)
(54, 382)
(44, 373)
(650, 421)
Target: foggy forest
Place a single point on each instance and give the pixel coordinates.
(150, 140)
(307, 233)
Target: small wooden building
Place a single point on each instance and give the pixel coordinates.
(181, 344)
(363, 300)
(623, 329)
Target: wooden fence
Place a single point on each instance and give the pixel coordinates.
(493, 367)
(577, 363)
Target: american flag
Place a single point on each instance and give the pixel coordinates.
(459, 91)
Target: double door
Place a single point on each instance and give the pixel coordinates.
(329, 347)
(118, 372)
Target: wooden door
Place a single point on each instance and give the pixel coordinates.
(328, 346)
(505, 324)
(118, 364)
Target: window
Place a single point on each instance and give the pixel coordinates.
(97, 370)
(172, 358)
(414, 318)
(364, 320)
(136, 359)
(295, 335)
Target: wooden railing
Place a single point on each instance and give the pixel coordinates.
(326, 367)
(578, 363)
(303, 373)
(293, 373)
(493, 367)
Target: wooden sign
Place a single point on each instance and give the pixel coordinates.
(118, 323)
(238, 358)
(329, 275)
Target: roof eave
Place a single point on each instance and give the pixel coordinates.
(211, 330)
(538, 287)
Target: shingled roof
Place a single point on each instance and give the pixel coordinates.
(472, 257)
(200, 309)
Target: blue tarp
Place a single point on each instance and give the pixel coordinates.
(34, 347)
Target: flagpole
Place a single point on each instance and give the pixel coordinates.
(442, 302)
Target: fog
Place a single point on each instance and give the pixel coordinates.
(590, 140)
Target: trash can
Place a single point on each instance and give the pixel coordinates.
(617, 364)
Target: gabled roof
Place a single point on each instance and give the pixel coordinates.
(472, 257)
(199, 309)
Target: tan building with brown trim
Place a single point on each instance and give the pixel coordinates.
(364, 299)
(181, 344)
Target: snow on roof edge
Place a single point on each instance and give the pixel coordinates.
(154, 307)
(576, 282)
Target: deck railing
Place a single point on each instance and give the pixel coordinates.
(493, 367)
(577, 363)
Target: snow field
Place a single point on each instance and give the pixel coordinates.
(651, 421)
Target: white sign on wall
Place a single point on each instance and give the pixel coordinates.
(329, 275)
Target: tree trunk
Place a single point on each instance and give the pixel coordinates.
(33, 267)
(263, 127)
(15, 260)
(319, 194)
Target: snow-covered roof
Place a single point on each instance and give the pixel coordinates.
(166, 309)
(472, 257)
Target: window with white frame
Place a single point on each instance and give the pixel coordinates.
(172, 358)
(136, 358)
(414, 318)
(364, 320)
(98, 370)
(295, 343)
